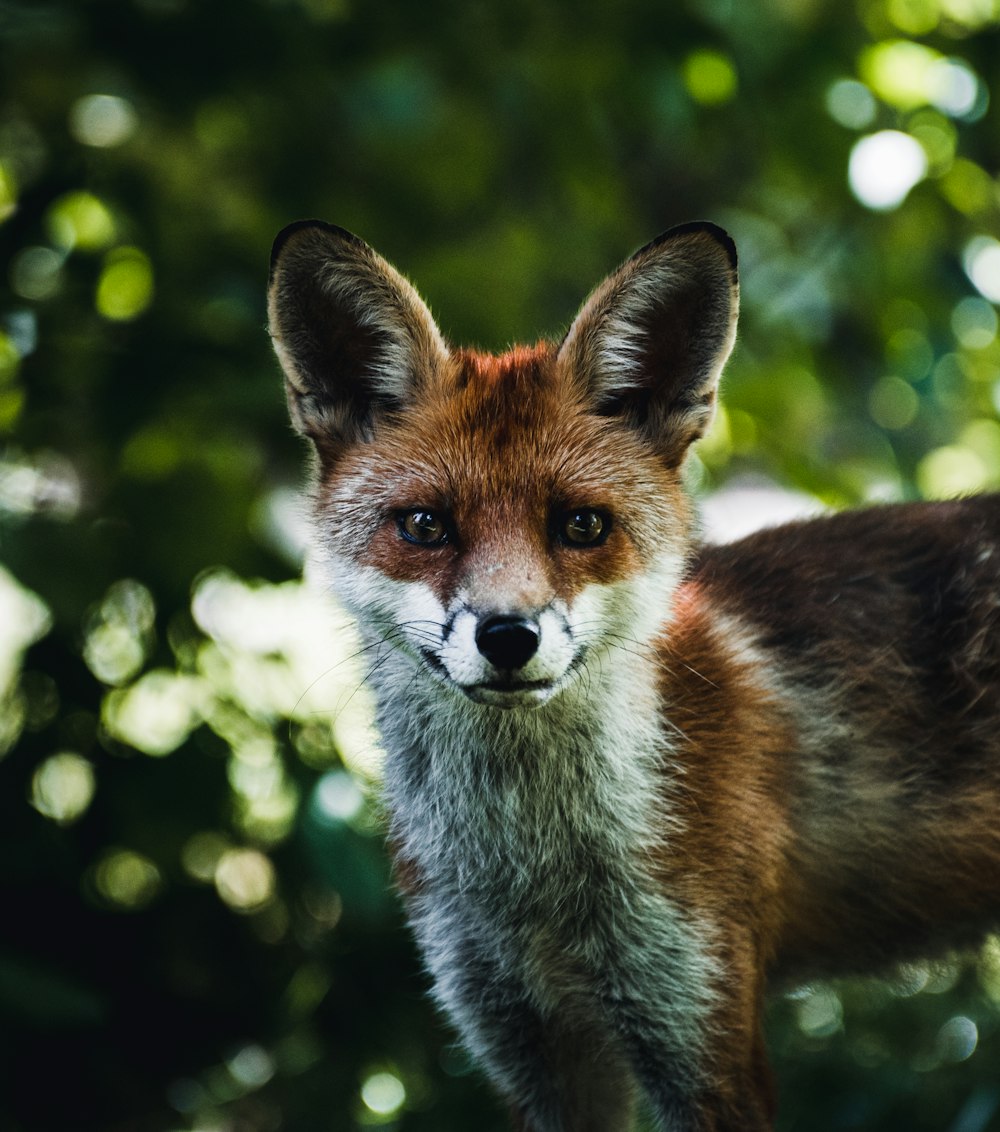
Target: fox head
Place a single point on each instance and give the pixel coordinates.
(502, 522)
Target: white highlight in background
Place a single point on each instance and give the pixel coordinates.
(981, 260)
(884, 167)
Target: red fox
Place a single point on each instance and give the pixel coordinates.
(632, 778)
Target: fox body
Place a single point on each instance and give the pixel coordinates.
(631, 778)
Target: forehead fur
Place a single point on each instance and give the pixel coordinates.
(511, 432)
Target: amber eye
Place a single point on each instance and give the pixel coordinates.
(423, 527)
(584, 527)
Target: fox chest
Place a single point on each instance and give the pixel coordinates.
(521, 873)
(506, 851)
(523, 909)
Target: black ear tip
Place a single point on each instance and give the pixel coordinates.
(699, 227)
(296, 226)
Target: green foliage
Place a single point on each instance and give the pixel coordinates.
(197, 928)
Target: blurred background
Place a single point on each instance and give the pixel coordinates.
(197, 929)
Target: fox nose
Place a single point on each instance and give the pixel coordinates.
(507, 642)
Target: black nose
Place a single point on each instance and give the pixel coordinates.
(507, 642)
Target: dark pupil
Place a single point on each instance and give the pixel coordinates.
(584, 526)
(423, 525)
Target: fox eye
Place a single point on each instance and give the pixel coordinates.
(585, 527)
(423, 527)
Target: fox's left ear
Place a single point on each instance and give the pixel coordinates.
(650, 342)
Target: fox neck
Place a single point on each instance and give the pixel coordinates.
(475, 788)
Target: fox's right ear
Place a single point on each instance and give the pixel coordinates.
(353, 336)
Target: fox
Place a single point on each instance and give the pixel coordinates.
(634, 780)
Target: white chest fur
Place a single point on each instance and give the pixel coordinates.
(531, 830)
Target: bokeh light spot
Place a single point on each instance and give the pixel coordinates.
(153, 453)
(119, 632)
(915, 17)
(245, 879)
(202, 853)
(968, 187)
(267, 800)
(113, 652)
(251, 1066)
(383, 1093)
(982, 265)
(337, 797)
(127, 879)
(956, 89)
(62, 788)
(24, 619)
(80, 220)
(884, 167)
(851, 103)
(820, 1013)
(44, 483)
(983, 437)
(125, 287)
(900, 72)
(8, 192)
(893, 403)
(36, 273)
(10, 359)
(988, 970)
(974, 323)
(950, 471)
(156, 713)
(938, 137)
(710, 77)
(970, 14)
(102, 120)
(957, 1040)
(909, 353)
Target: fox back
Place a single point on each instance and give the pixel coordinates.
(631, 778)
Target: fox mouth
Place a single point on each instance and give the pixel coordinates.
(510, 693)
(506, 689)
(509, 687)
(513, 685)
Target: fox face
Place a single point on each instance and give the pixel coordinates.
(500, 521)
(505, 585)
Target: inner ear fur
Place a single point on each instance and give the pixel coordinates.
(354, 338)
(650, 342)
